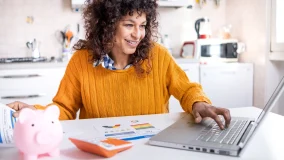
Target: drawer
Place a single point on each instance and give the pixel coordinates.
(30, 78)
(35, 96)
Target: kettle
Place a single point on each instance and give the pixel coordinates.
(203, 28)
(34, 48)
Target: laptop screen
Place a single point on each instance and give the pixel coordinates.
(272, 100)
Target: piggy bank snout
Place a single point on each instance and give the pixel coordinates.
(44, 137)
(48, 137)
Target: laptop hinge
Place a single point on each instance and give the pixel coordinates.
(247, 134)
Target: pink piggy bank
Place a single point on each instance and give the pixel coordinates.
(38, 132)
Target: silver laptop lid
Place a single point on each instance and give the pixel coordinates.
(272, 100)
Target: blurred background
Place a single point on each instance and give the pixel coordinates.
(233, 48)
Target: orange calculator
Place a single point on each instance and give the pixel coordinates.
(106, 147)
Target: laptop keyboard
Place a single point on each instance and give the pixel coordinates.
(213, 133)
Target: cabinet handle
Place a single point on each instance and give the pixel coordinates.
(21, 76)
(186, 70)
(22, 96)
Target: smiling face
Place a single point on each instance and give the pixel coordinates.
(129, 32)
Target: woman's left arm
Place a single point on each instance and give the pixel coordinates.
(191, 96)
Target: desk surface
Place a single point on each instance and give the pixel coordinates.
(265, 144)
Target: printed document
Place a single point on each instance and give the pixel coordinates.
(7, 122)
(128, 131)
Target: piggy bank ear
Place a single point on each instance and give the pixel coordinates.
(52, 111)
(25, 114)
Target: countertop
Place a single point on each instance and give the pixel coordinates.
(185, 60)
(266, 142)
(27, 65)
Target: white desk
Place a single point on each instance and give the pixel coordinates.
(266, 144)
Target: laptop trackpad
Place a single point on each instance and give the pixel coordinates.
(182, 131)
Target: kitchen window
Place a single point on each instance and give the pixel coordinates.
(277, 27)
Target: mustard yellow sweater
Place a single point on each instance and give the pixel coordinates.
(99, 92)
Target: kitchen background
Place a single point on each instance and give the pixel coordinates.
(24, 20)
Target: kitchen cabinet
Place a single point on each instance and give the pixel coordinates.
(192, 71)
(228, 85)
(31, 86)
(78, 5)
(175, 3)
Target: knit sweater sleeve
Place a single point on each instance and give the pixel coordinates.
(68, 97)
(182, 88)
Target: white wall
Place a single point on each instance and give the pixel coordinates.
(274, 72)
(251, 25)
(50, 16)
(179, 23)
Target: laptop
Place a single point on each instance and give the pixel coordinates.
(207, 137)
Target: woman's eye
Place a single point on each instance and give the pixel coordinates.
(129, 25)
(143, 26)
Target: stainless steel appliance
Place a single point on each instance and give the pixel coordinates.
(225, 49)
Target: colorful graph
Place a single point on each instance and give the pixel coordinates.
(142, 126)
(115, 126)
(129, 131)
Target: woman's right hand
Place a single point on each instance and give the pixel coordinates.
(17, 106)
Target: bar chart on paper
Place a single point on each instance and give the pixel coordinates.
(133, 130)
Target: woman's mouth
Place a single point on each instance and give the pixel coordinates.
(132, 43)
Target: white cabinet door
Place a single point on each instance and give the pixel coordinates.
(32, 96)
(228, 85)
(192, 72)
(32, 86)
(30, 78)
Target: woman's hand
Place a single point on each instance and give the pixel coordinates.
(17, 106)
(201, 110)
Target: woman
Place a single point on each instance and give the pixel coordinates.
(119, 71)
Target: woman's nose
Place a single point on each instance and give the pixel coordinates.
(136, 33)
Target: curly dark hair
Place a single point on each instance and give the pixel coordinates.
(101, 17)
